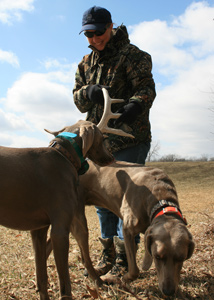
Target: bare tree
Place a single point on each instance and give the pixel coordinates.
(212, 110)
(212, 101)
(153, 152)
(204, 157)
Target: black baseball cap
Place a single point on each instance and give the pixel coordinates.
(95, 18)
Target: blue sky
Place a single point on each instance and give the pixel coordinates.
(40, 48)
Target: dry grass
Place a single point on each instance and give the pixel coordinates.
(195, 185)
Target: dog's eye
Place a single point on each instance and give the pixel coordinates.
(158, 257)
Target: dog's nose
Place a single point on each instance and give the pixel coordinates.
(169, 291)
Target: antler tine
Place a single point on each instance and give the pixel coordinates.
(107, 115)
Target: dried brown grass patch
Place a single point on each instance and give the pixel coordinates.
(194, 183)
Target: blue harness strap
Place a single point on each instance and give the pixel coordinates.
(67, 134)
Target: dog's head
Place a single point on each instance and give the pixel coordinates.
(90, 140)
(169, 243)
(93, 144)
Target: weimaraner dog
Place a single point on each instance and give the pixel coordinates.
(39, 188)
(146, 199)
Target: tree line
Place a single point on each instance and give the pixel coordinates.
(153, 155)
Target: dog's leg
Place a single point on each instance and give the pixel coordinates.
(131, 250)
(49, 248)
(60, 242)
(79, 230)
(39, 244)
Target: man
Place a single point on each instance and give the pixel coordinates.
(125, 71)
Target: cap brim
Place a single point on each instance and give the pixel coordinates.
(97, 26)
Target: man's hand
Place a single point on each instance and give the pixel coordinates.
(129, 113)
(95, 93)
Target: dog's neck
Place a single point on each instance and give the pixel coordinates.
(166, 207)
(74, 155)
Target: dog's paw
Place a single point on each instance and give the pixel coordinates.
(128, 278)
(110, 279)
(99, 282)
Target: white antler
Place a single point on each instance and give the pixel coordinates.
(107, 115)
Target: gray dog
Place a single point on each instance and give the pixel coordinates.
(39, 188)
(146, 199)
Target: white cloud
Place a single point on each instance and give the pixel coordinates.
(196, 26)
(12, 10)
(11, 122)
(159, 39)
(176, 45)
(9, 57)
(182, 53)
(23, 141)
(42, 100)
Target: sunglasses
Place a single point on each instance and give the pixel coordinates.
(90, 34)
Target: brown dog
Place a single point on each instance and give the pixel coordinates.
(146, 199)
(39, 188)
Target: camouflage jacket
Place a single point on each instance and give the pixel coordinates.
(127, 71)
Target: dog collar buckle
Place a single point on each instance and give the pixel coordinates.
(172, 210)
(168, 209)
(52, 144)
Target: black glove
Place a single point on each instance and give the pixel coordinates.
(129, 113)
(95, 93)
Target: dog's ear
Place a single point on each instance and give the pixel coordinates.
(191, 246)
(87, 135)
(147, 260)
(55, 133)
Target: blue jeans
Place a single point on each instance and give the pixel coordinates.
(110, 224)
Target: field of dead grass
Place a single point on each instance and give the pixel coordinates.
(195, 186)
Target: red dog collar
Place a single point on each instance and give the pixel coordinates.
(171, 209)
